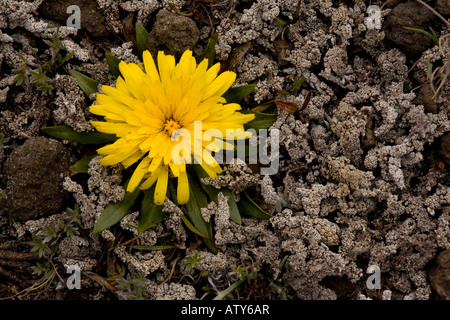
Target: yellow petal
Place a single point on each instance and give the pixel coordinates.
(183, 189)
(150, 67)
(220, 85)
(119, 129)
(161, 187)
(151, 180)
(166, 65)
(138, 174)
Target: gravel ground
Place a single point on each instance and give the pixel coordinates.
(363, 169)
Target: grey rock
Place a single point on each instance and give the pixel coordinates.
(92, 21)
(409, 14)
(34, 174)
(172, 34)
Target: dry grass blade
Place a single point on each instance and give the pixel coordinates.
(101, 281)
(171, 272)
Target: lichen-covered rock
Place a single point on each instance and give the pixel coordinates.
(409, 14)
(172, 34)
(35, 172)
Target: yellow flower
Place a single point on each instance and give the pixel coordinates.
(168, 117)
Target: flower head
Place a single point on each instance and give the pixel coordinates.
(168, 116)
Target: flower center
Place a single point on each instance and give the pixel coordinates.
(170, 126)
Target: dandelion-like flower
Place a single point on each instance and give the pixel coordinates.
(168, 117)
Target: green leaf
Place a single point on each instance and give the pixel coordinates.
(197, 200)
(249, 207)
(209, 52)
(282, 22)
(236, 94)
(261, 121)
(171, 193)
(213, 195)
(113, 63)
(82, 165)
(223, 294)
(151, 214)
(429, 70)
(114, 212)
(406, 87)
(192, 228)
(66, 133)
(141, 38)
(284, 92)
(153, 248)
(429, 35)
(298, 83)
(88, 85)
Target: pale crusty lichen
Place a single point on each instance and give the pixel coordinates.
(71, 109)
(175, 291)
(144, 263)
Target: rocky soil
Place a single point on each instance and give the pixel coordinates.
(363, 177)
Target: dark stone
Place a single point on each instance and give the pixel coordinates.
(425, 98)
(440, 275)
(368, 141)
(409, 14)
(34, 174)
(91, 19)
(281, 50)
(443, 6)
(444, 147)
(172, 34)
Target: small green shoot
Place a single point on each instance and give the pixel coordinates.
(433, 35)
(132, 287)
(285, 21)
(244, 274)
(49, 233)
(39, 246)
(38, 76)
(192, 261)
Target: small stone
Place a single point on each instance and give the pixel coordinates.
(91, 20)
(172, 34)
(34, 175)
(440, 275)
(368, 141)
(409, 14)
(281, 49)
